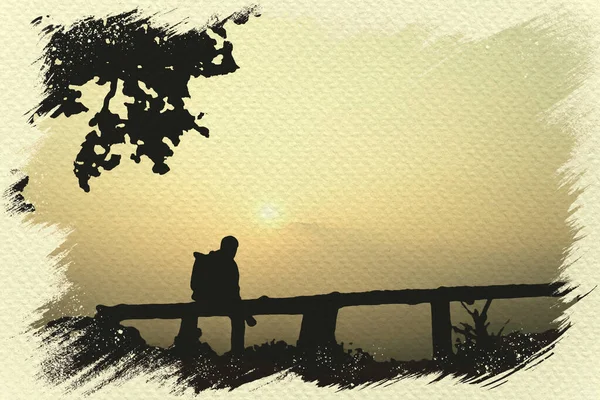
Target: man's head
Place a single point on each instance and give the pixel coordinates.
(229, 246)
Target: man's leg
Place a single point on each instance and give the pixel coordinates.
(188, 331)
(238, 330)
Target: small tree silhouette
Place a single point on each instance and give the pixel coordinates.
(130, 49)
(477, 334)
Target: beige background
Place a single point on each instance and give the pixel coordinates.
(380, 160)
(27, 291)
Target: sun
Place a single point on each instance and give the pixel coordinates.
(270, 213)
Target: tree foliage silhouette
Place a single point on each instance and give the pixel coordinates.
(128, 48)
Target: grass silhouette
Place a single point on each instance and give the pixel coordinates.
(82, 349)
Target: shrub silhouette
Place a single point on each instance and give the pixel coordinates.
(483, 353)
(477, 333)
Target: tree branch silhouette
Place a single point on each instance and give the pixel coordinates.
(128, 48)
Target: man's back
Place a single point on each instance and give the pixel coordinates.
(215, 278)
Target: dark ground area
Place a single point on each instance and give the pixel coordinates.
(87, 347)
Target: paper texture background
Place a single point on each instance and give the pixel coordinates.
(30, 280)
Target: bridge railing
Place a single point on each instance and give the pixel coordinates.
(320, 311)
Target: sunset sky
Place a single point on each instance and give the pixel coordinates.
(385, 160)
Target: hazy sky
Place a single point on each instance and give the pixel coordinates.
(341, 163)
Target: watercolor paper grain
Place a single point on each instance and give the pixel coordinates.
(318, 104)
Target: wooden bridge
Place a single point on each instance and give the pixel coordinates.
(320, 311)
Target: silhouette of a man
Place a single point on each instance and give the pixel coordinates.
(215, 277)
(215, 281)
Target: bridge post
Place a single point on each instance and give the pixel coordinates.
(318, 327)
(441, 329)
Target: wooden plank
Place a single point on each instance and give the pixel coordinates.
(300, 305)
